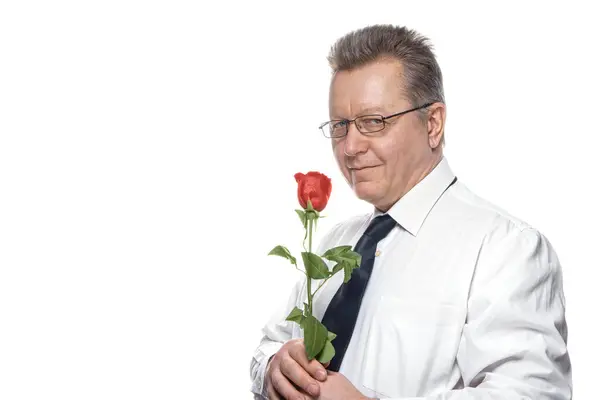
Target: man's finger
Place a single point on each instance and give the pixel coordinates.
(284, 387)
(313, 367)
(298, 376)
(272, 394)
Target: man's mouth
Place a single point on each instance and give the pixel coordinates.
(361, 168)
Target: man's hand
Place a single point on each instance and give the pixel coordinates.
(291, 376)
(337, 387)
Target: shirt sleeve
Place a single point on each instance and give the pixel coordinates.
(514, 343)
(275, 333)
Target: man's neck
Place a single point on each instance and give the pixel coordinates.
(418, 176)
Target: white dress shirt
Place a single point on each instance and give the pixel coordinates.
(465, 302)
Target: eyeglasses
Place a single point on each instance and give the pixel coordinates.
(366, 124)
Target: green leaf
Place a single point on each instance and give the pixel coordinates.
(296, 316)
(302, 216)
(331, 336)
(336, 251)
(348, 268)
(315, 266)
(338, 267)
(343, 254)
(346, 259)
(281, 251)
(352, 255)
(315, 336)
(327, 353)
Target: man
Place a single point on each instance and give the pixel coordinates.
(464, 301)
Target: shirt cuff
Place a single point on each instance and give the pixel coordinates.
(263, 355)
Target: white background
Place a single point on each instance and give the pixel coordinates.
(147, 153)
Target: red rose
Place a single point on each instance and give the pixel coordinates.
(313, 186)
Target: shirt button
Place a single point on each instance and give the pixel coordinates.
(377, 253)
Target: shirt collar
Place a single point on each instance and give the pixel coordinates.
(412, 208)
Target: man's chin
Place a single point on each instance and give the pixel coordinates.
(366, 191)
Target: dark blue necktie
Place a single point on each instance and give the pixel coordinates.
(340, 316)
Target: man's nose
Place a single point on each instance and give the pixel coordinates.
(355, 141)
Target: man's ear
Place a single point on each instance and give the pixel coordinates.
(436, 122)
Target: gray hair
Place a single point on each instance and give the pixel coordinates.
(422, 75)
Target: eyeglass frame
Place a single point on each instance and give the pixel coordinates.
(383, 119)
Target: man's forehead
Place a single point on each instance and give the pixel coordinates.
(364, 102)
(348, 110)
(366, 107)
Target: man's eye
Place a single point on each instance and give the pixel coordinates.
(372, 121)
(339, 124)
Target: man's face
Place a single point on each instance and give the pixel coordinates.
(381, 167)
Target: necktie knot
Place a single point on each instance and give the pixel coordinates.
(380, 227)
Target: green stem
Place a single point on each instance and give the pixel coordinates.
(320, 286)
(296, 265)
(308, 279)
(304, 240)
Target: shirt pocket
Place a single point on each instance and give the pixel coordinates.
(411, 347)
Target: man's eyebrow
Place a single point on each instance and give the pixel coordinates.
(363, 111)
(371, 110)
